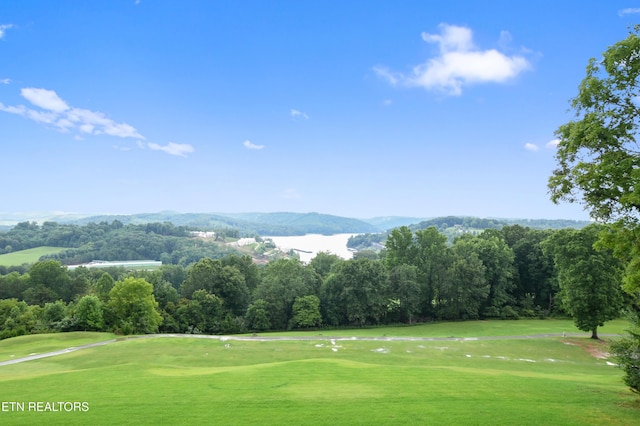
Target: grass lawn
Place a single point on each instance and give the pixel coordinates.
(22, 346)
(550, 381)
(28, 256)
(467, 329)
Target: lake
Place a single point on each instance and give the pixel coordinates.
(311, 244)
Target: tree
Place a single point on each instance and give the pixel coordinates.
(283, 281)
(323, 262)
(400, 248)
(134, 307)
(534, 284)
(50, 281)
(226, 282)
(599, 161)
(404, 292)
(466, 287)
(432, 263)
(257, 317)
(13, 285)
(498, 260)
(16, 318)
(104, 285)
(88, 313)
(589, 279)
(306, 312)
(201, 314)
(248, 269)
(597, 154)
(53, 314)
(626, 351)
(363, 290)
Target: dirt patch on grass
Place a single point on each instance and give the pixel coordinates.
(596, 348)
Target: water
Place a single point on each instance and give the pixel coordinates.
(312, 244)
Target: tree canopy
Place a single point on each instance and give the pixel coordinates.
(599, 164)
(597, 154)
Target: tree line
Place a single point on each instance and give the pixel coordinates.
(114, 241)
(509, 273)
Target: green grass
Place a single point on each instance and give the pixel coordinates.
(22, 346)
(550, 381)
(28, 256)
(466, 329)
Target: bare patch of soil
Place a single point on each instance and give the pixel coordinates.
(595, 348)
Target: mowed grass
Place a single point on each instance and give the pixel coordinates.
(168, 380)
(23, 346)
(467, 329)
(28, 256)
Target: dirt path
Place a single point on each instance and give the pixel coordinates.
(287, 338)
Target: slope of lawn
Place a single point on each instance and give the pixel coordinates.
(179, 380)
(28, 256)
(23, 346)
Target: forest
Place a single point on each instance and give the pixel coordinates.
(114, 241)
(419, 276)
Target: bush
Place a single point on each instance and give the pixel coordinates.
(509, 313)
(627, 352)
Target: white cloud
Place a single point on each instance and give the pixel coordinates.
(531, 147)
(391, 77)
(4, 28)
(387, 102)
(459, 63)
(54, 111)
(295, 114)
(250, 145)
(5, 81)
(629, 11)
(45, 99)
(553, 144)
(179, 149)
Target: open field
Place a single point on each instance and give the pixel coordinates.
(181, 380)
(28, 256)
(468, 329)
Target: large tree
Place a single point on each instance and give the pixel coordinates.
(404, 292)
(466, 287)
(226, 282)
(589, 278)
(88, 313)
(135, 309)
(364, 295)
(598, 161)
(48, 281)
(599, 158)
(282, 282)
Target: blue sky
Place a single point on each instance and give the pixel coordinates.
(353, 108)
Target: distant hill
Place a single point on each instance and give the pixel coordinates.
(389, 222)
(287, 223)
(455, 226)
(265, 224)
(495, 223)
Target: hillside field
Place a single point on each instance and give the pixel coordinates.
(17, 258)
(325, 377)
